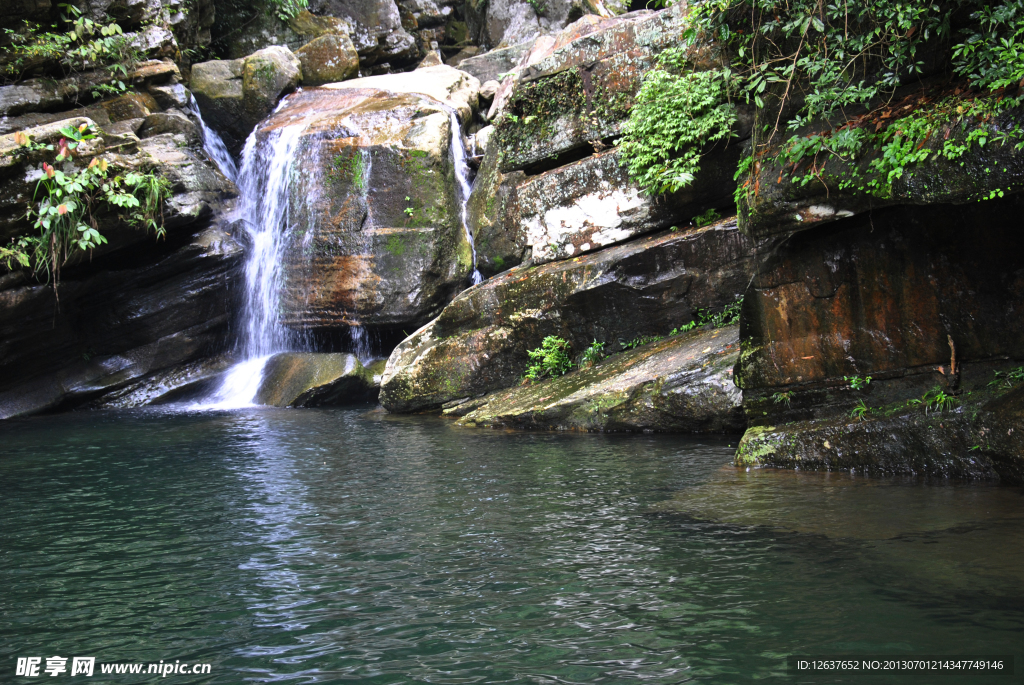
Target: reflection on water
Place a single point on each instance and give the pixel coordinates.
(338, 546)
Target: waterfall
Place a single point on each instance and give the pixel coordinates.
(213, 144)
(263, 206)
(460, 160)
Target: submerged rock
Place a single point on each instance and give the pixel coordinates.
(479, 343)
(309, 379)
(682, 384)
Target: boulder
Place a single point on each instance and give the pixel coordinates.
(379, 238)
(172, 122)
(648, 286)
(235, 95)
(328, 59)
(309, 379)
(115, 327)
(682, 384)
(578, 86)
(375, 28)
(130, 106)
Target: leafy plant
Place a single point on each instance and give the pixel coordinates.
(66, 201)
(858, 383)
(288, 9)
(708, 217)
(641, 340)
(729, 315)
(550, 359)
(938, 400)
(1007, 379)
(860, 412)
(785, 397)
(593, 354)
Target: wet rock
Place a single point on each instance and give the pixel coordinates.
(682, 384)
(328, 59)
(494, 218)
(187, 381)
(115, 327)
(29, 96)
(646, 287)
(578, 86)
(492, 65)
(306, 379)
(235, 95)
(380, 240)
(593, 203)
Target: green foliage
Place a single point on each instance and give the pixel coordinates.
(551, 359)
(860, 411)
(65, 203)
(1007, 379)
(937, 400)
(593, 354)
(641, 340)
(678, 112)
(992, 56)
(708, 217)
(858, 383)
(288, 9)
(539, 8)
(835, 66)
(729, 315)
(78, 44)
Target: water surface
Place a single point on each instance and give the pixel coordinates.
(307, 546)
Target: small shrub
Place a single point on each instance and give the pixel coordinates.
(785, 397)
(938, 400)
(858, 383)
(551, 359)
(1007, 379)
(593, 354)
(860, 412)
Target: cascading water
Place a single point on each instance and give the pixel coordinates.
(263, 206)
(460, 159)
(213, 144)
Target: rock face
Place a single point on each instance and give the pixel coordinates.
(682, 384)
(304, 379)
(380, 241)
(115, 327)
(882, 295)
(479, 342)
(235, 95)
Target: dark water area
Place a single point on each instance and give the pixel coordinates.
(316, 546)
